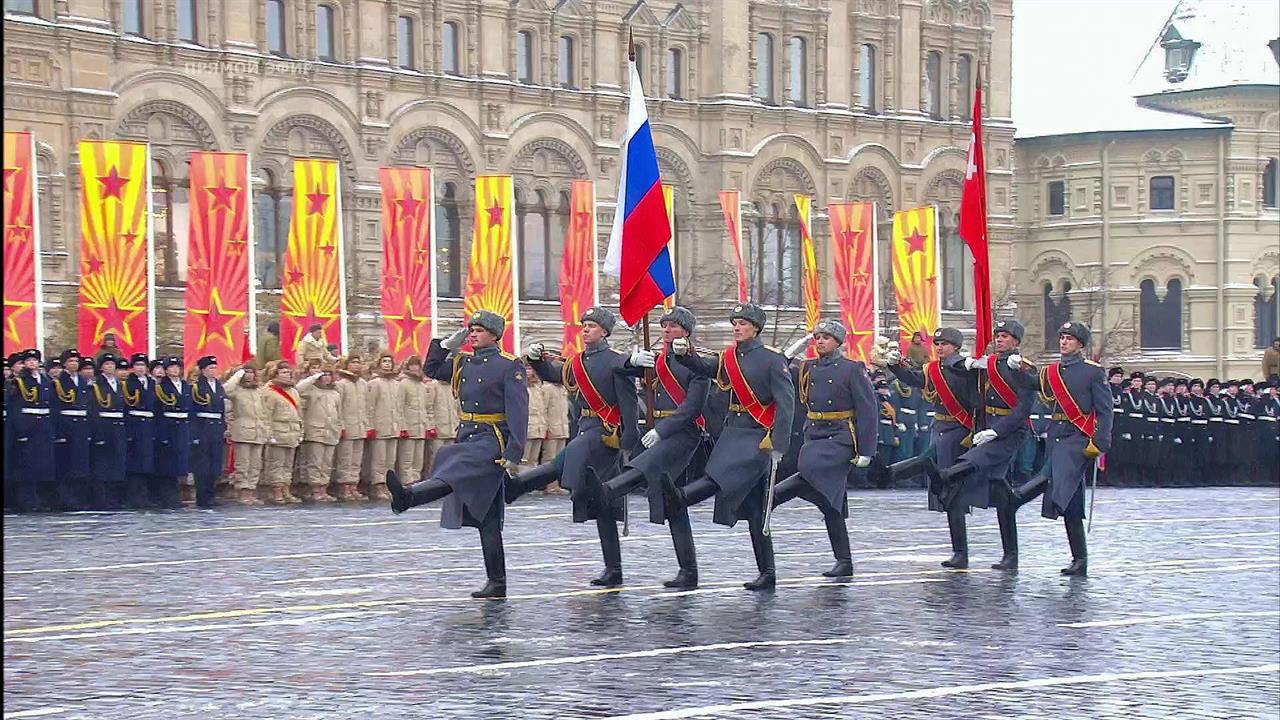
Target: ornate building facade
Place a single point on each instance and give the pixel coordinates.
(1162, 229)
(840, 99)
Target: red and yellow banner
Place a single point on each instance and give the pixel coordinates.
(219, 251)
(23, 311)
(853, 231)
(669, 196)
(812, 282)
(915, 275)
(578, 281)
(115, 252)
(731, 204)
(491, 277)
(314, 285)
(408, 252)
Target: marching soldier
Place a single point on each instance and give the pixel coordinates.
(951, 387)
(208, 431)
(599, 380)
(755, 434)
(71, 429)
(140, 432)
(469, 474)
(110, 436)
(1076, 390)
(840, 431)
(28, 402)
(679, 400)
(173, 436)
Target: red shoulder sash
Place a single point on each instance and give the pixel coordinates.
(1087, 424)
(609, 414)
(947, 395)
(761, 413)
(672, 385)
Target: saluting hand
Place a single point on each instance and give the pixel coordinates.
(535, 351)
(680, 346)
(1015, 362)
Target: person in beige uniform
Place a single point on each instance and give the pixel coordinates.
(446, 415)
(537, 420)
(383, 408)
(313, 346)
(415, 418)
(247, 421)
(283, 410)
(353, 389)
(431, 390)
(321, 432)
(556, 408)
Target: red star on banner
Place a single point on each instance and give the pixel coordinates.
(198, 273)
(12, 309)
(17, 233)
(114, 318)
(495, 215)
(295, 275)
(409, 206)
(222, 195)
(235, 245)
(129, 237)
(316, 201)
(424, 254)
(112, 184)
(475, 287)
(860, 279)
(217, 321)
(311, 318)
(93, 264)
(915, 242)
(906, 307)
(931, 281)
(327, 249)
(853, 237)
(407, 324)
(583, 219)
(10, 175)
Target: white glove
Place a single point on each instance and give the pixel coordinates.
(1015, 362)
(1177, 441)
(454, 341)
(983, 436)
(535, 351)
(509, 467)
(797, 347)
(1126, 436)
(680, 346)
(650, 439)
(975, 363)
(902, 427)
(861, 461)
(643, 358)
(893, 357)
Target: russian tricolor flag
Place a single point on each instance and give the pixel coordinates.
(638, 254)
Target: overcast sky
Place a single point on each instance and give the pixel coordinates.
(1072, 59)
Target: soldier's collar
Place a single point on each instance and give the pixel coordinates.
(596, 347)
(490, 350)
(749, 344)
(1073, 358)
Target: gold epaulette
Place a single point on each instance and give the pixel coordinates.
(507, 355)
(1095, 364)
(772, 348)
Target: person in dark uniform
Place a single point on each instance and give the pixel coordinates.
(677, 437)
(1116, 459)
(953, 389)
(140, 426)
(840, 430)
(29, 400)
(1125, 461)
(907, 405)
(71, 430)
(1198, 430)
(1167, 440)
(173, 436)
(888, 437)
(469, 473)
(755, 435)
(110, 436)
(1267, 436)
(208, 431)
(599, 379)
(1076, 390)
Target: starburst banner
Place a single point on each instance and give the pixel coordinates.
(915, 274)
(219, 300)
(408, 252)
(491, 277)
(578, 281)
(23, 308)
(853, 231)
(812, 282)
(314, 286)
(731, 204)
(116, 256)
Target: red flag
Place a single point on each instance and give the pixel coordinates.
(730, 203)
(247, 354)
(973, 226)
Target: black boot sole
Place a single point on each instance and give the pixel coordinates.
(762, 583)
(842, 569)
(496, 592)
(608, 581)
(1076, 569)
(956, 563)
(1005, 565)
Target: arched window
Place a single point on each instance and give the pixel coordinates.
(933, 85)
(448, 243)
(324, 32)
(764, 67)
(451, 48)
(275, 28)
(188, 21)
(799, 72)
(867, 79)
(20, 7)
(567, 76)
(1057, 312)
(169, 214)
(133, 18)
(1266, 312)
(536, 273)
(957, 264)
(272, 207)
(775, 266)
(406, 43)
(675, 73)
(964, 75)
(524, 57)
(1270, 184)
(1161, 317)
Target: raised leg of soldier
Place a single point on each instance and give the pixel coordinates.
(957, 524)
(419, 493)
(788, 489)
(762, 547)
(534, 479)
(623, 484)
(1006, 514)
(495, 561)
(691, 493)
(682, 542)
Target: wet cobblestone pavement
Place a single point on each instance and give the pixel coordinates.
(350, 612)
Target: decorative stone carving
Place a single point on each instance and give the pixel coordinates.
(373, 103)
(434, 146)
(558, 156)
(785, 176)
(178, 122)
(311, 136)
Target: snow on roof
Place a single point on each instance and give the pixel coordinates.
(1229, 44)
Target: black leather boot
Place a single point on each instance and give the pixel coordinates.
(959, 540)
(838, 534)
(692, 493)
(1030, 490)
(787, 490)
(420, 493)
(1007, 517)
(762, 546)
(1079, 548)
(686, 556)
(610, 548)
(622, 485)
(495, 560)
(912, 467)
(530, 480)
